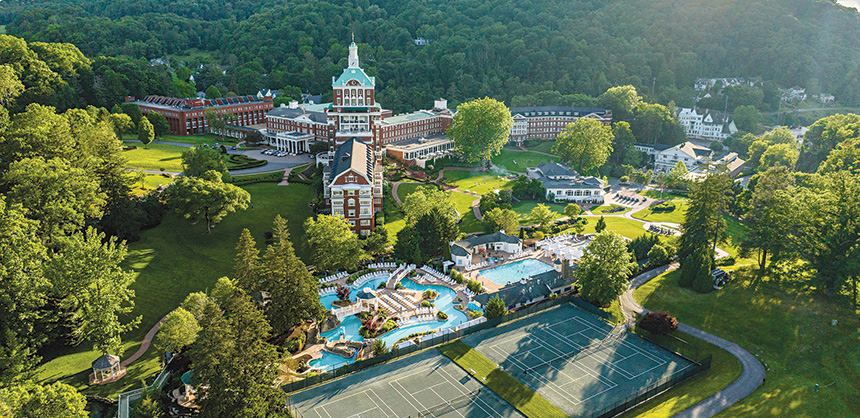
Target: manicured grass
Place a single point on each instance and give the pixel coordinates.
(155, 157)
(469, 223)
(541, 146)
(405, 189)
(518, 161)
(600, 210)
(463, 202)
(788, 327)
(209, 139)
(150, 183)
(626, 227)
(503, 384)
(675, 216)
(394, 223)
(177, 258)
(476, 182)
(725, 369)
(669, 194)
(242, 161)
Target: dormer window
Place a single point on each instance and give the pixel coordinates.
(350, 179)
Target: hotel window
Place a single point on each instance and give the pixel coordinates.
(365, 222)
(351, 202)
(351, 213)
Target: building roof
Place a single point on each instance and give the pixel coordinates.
(692, 150)
(556, 169)
(525, 290)
(366, 294)
(580, 183)
(658, 147)
(407, 117)
(290, 113)
(476, 240)
(539, 111)
(419, 143)
(355, 155)
(106, 361)
(356, 74)
(459, 251)
(173, 103)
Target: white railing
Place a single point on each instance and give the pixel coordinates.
(368, 277)
(349, 310)
(328, 291)
(125, 398)
(383, 265)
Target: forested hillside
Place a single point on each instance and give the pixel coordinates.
(501, 48)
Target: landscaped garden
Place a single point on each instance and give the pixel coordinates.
(670, 211)
(177, 258)
(610, 210)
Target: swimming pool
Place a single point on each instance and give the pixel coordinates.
(516, 271)
(330, 361)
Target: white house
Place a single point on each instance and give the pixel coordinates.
(565, 184)
(462, 251)
(706, 124)
(688, 152)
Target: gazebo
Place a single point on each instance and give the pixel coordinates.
(106, 368)
(367, 299)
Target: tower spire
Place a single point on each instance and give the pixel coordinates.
(353, 54)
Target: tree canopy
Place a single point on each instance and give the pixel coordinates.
(207, 198)
(605, 267)
(333, 244)
(481, 128)
(585, 143)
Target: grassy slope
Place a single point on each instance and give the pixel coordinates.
(503, 384)
(151, 182)
(676, 216)
(476, 182)
(191, 139)
(540, 146)
(788, 329)
(524, 208)
(600, 210)
(155, 157)
(656, 194)
(518, 161)
(175, 259)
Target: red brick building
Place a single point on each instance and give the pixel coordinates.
(546, 122)
(188, 116)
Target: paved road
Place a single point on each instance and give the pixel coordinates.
(753, 373)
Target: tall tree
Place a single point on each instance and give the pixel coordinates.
(294, 294)
(159, 123)
(36, 401)
(586, 143)
(747, 118)
(846, 156)
(423, 200)
(333, 244)
(198, 160)
(704, 226)
(377, 242)
(605, 266)
(121, 123)
(623, 151)
(179, 330)
(622, 100)
(247, 262)
(542, 215)
(481, 128)
(572, 210)
(10, 86)
(133, 111)
(822, 136)
(61, 197)
(212, 92)
(205, 197)
(495, 308)
(234, 365)
(24, 289)
(769, 215)
(779, 155)
(654, 124)
(600, 226)
(500, 219)
(87, 273)
(145, 132)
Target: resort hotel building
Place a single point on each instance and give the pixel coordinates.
(565, 184)
(546, 122)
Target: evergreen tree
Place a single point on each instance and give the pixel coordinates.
(600, 226)
(495, 308)
(247, 274)
(293, 291)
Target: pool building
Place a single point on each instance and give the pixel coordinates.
(475, 249)
(527, 291)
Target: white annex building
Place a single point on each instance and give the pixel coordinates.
(706, 124)
(565, 184)
(462, 251)
(696, 157)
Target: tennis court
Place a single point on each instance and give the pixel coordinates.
(426, 384)
(575, 360)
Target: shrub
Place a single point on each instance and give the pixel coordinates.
(659, 323)
(381, 286)
(496, 307)
(429, 294)
(442, 316)
(398, 285)
(474, 286)
(641, 246)
(388, 326)
(294, 345)
(379, 348)
(663, 207)
(726, 261)
(625, 179)
(658, 255)
(425, 304)
(539, 235)
(457, 276)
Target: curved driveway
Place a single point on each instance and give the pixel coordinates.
(753, 373)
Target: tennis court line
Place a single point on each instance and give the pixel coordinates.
(478, 401)
(383, 402)
(547, 383)
(364, 392)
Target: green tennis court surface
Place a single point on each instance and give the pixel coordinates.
(426, 384)
(575, 360)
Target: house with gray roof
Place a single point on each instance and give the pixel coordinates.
(462, 251)
(528, 291)
(563, 183)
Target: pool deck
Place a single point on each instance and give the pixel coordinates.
(491, 286)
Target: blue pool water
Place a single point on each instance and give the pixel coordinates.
(328, 299)
(349, 326)
(516, 271)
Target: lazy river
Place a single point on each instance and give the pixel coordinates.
(349, 326)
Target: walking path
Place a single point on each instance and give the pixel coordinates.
(147, 340)
(750, 379)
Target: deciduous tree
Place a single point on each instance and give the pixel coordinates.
(423, 200)
(35, 401)
(480, 128)
(572, 210)
(179, 330)
(605, 267)
(145, 132)
(769, 215)
(198, 160)
(586, 143)
(623, 100)
(333, 244)
(207, 198)
(159, 123)
(542, 214)
(500, 219)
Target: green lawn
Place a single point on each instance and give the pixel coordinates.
(518, 161)
(600, 210)
(150, 183)
(155, 157)
(405, 189)
(503, 384)
(476, 182)
(725, 369)
(626, 227)
(177, 258)
(785, 326)
(540, 146)
(209, 139)
(676, 215)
